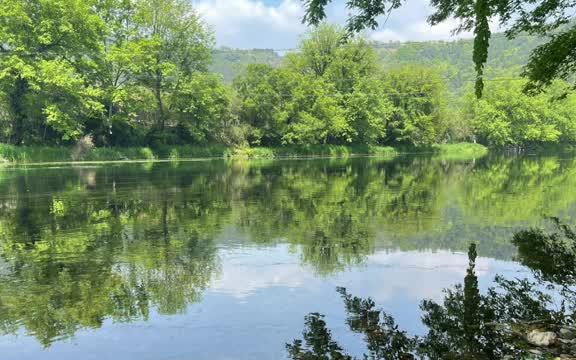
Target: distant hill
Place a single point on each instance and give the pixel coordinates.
(454, 58)
(505, 57)
(230, 62)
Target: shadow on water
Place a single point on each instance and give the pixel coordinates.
(515, 319)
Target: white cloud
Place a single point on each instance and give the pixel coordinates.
(413, 275)
(253, 24)
(242, 273)
(278, 23)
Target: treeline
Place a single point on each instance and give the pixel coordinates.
(330, 92)
(135, 73)
(507, 117)
(454, 58)
(334, 92)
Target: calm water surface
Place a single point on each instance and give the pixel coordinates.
(223, 260)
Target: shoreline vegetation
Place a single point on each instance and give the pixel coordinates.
(10, 154)
(114, 85)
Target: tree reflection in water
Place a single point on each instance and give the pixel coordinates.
(499, 324)
(82, 246)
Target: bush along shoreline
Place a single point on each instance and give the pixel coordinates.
(10, 154)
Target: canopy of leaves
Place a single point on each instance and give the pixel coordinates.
(115, 69)
(507, 117)
(333, 91)
(552, 60)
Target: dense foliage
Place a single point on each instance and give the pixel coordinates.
(335, 92)
(120, 73)
(555, 59)
(507, 117)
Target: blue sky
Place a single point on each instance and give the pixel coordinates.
(277, 23)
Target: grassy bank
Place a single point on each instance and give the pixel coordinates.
(460, 150)
(38, 154)
(310, 151)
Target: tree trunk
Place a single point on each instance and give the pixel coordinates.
(158, 95)
(17, 109)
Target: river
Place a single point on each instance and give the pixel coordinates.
(225, 259)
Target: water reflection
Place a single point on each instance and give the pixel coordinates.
(516, 319)
(79, 246)
(551, 255)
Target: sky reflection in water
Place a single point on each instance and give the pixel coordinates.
(218, 261)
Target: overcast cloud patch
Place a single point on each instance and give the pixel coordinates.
(278, 24)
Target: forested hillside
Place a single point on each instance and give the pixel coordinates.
(505, 57)
(231, 62)
(453, 58)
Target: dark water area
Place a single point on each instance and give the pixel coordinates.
(227, 260)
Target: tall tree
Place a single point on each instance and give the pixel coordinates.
(45, 48)
(173, 44)
(418, 96)
(123, 97)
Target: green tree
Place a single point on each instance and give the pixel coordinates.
(290, 107)
(368, 110)
(127, 102)
(202, 107)
(318, 50)
(46, 47)
(326, 52)
(263, 92)
(418, 95)
(507, 117)
(314, 115)
(171, 44)
(326, 93)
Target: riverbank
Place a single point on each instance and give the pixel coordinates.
(449, 150)
(38, 154)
